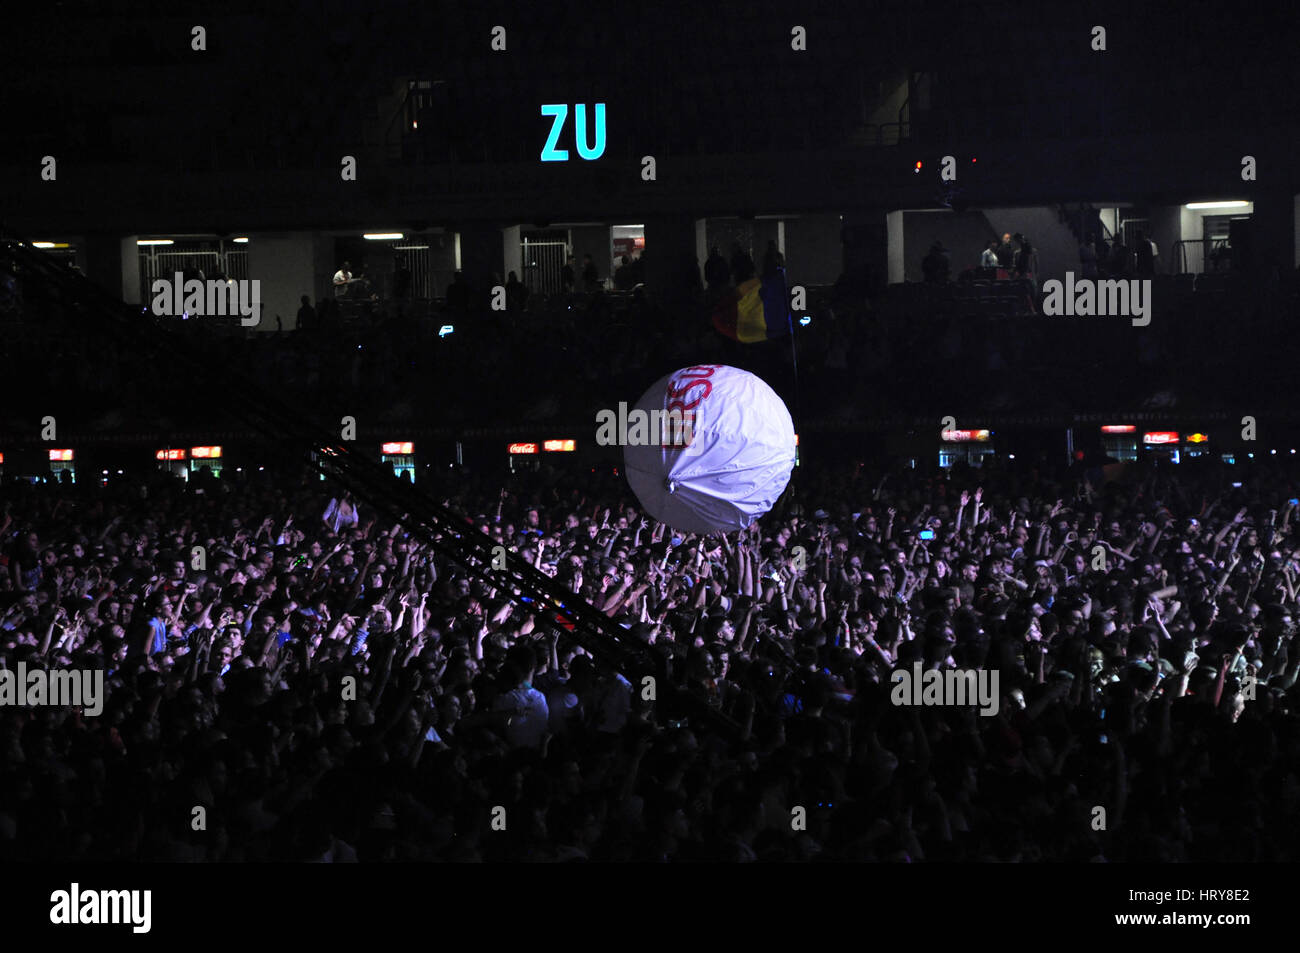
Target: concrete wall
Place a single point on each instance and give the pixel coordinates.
(597, 241)
(894, 229)
(1189, 227)
(1110, 218)
(326, 264)
(512, 251)
(131, 290)
(482, 259)
(810, 243)
(813, 254)
(865, 245)
(442, 259)
(893, 101)
(670, 243)
(1166, 230)
(1058, 249)
(964, 234)
(288, 266)
(1272, 230)
(723, 232)
(105, 264)
(765, 230)
(161, 199)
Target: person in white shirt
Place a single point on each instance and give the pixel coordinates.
(341, 513)
(342, 278)
(613, 702)
(525, 707)
(989, 258)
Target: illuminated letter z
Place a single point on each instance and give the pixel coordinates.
(549, 153)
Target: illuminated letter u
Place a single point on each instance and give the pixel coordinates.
(580, 133)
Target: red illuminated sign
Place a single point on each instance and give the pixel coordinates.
(966, 436)
(1119, 428)
(399, 447)
(1160, 436)
(205, 453)
(517, 448)
(559, 446)
(60, 456)
(170, 455)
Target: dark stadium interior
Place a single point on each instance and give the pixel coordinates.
(358, 572)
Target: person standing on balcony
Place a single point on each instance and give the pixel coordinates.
(1027, 264)
(716, 270)
(1144, 255)
(1088, 258)
(989, 257)
(342, 279)
(590, 276)
(1007, 253)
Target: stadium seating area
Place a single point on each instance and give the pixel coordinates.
(915, 348)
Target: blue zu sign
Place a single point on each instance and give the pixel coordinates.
(560, 112)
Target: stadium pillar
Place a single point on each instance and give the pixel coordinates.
(812, 248)
(673, 255)
(1165, 230)
(765, 230)
(1270, 236)
(287, 265)
(897, 266)
(512, 252)
(865, 239)
(112, 262)
(483, 257)
(1295, 228)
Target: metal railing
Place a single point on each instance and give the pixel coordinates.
(213, 257)
(1207, 254)
(542, 256)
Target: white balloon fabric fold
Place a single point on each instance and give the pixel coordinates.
(725, 464)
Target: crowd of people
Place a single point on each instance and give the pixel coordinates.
(1014, 257)
(327, 689)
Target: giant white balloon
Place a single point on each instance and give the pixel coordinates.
(739, 455)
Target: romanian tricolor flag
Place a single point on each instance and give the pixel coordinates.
(755, 311)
